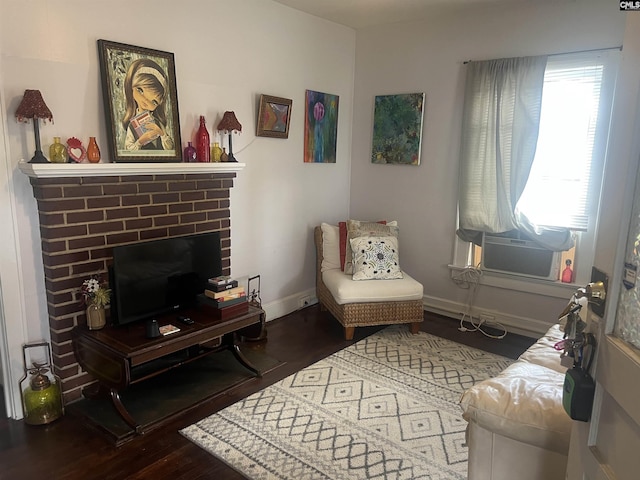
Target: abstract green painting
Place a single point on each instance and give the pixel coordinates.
(397, 128)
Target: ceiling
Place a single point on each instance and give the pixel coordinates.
(368, 13)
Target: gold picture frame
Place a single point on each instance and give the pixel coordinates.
(140, 102)
(274, 117)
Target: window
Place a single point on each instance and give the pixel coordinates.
(557, 191)
(564, 183)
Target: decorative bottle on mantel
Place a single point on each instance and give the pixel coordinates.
(190, 154)
(93, 152)
(203, 152)
(216, 152)
(57, 152)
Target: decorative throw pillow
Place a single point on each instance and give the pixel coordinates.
(330, 247)
(356, 228)
(375, 258)
(342, 227)
(342, 231)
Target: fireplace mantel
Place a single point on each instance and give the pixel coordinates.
(60, 170)
(85, 210)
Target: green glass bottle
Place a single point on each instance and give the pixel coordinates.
(57, 152)
(216, 152)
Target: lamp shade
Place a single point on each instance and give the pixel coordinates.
(229, 123)
(33, 106)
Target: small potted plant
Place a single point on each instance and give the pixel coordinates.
(96, 295)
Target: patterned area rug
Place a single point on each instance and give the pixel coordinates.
(385, 407)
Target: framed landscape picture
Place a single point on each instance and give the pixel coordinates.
(140, 102)
(274, 117)
(397, 129)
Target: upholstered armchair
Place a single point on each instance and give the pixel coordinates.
(358, 303)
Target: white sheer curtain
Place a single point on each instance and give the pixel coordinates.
(499, 134)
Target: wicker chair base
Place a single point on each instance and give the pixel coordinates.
(351, 315)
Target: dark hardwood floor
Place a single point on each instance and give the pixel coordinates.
(68, 449)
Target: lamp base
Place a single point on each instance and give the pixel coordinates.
(38, 157)
(231, 158)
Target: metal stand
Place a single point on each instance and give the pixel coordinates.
(257, 332)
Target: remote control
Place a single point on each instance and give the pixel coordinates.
(185, 320)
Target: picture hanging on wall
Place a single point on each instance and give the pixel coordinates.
(320, 127)
(397, 129)
(140, 102)
(274, 116)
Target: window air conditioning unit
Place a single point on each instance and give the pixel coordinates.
(519, 257)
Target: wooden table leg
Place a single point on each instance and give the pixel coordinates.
(124, 413)
(97, 390)
(230, 342)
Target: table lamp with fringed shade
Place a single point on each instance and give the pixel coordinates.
(230, 124)
(33, 107)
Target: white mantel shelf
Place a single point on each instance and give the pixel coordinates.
(58, 170)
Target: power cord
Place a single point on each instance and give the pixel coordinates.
(469, 278)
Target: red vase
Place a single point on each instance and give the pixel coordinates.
(203, 147)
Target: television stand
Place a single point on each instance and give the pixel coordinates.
(120, 356)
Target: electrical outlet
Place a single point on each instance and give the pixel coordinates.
(486, 318)
(306, 301)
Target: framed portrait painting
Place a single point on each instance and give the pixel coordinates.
(140, 103)
(274, 117)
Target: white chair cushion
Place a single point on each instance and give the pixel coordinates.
(523, 403)
(345, 290)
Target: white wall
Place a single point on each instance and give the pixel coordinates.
(227, 53)
(51, 46)
(427, 56)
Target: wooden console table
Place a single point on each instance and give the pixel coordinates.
(121, 356)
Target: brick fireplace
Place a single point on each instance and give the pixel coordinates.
(83, 217)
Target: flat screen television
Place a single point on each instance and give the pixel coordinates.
(161, 276)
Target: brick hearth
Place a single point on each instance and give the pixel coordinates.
(83, 218)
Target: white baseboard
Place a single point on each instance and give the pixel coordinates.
(284, 306)
(529, 327)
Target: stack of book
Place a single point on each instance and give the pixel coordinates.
(226, 298)
(221, 283)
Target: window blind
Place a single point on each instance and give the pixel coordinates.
(560, 185)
